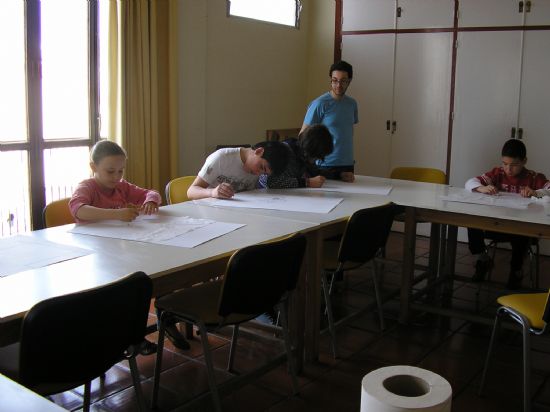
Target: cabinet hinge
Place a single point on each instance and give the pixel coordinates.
(457, 43)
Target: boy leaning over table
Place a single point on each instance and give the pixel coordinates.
(511, 176)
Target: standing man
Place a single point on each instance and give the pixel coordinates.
(338, 113)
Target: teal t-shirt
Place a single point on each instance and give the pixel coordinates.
(338, 116)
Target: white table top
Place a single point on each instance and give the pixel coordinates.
(404, 193)
(14, 397)
(113, 258)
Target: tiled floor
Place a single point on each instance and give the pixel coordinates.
(451, 347)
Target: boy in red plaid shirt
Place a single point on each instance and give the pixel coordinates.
(511, 177)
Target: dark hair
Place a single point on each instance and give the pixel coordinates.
(276, 153)
(343, 67)
(315, 141)
(515, 149)
(105, 148)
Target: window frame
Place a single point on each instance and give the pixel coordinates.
(36, 145)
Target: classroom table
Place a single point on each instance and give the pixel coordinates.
(172, 267)
(422, 202)
(169, 267)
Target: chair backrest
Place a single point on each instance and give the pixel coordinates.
(419, 174)
(258, 276)
(281, 134)
(366, 233)
(57, 213)
(176, 189)
(71, 339)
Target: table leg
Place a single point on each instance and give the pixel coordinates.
(313, 296)
(409, 249)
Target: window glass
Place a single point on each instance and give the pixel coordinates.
(274, 11)
(13, 126)
(64, 69)
(64, 168)
(14, 202)
(104, 68)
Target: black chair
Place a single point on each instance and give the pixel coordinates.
(69, 340)
(364, 238)
(257, 279)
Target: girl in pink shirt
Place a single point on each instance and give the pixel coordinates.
(107, 195)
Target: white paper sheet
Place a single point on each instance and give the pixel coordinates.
(509, 200)
(19, 253)
(261, 199)
(179, 231)
(361, 185)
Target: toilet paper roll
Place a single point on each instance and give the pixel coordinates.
(405, 388)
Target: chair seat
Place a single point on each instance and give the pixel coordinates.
(199, 303)
(531, 305)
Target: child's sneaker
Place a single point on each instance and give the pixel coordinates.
(514, 281)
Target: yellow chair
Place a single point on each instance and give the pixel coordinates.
(532, 312)
(176, 189)
(419, 174)
(57, 213)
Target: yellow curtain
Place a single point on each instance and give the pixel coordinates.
(143, 85)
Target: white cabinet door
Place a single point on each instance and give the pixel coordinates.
(486, 13)
(372, 87)
(368, 15)
(486, 100)
(425, 14)
(539, 13)
(534, 109)
(422, 95)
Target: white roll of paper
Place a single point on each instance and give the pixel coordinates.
(405, 388)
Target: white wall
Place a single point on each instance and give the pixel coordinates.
(239, 77)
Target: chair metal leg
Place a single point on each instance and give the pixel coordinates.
(291, 364)
(209, 367)
(375, 278)
(87, 390)
(137, 383)
(526, 368)
(331, 328)
(489, 353)
(233, 348)
(158, 362)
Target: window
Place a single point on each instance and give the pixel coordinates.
(49, 105)
(285, 12)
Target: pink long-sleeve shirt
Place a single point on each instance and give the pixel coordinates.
(90, 193)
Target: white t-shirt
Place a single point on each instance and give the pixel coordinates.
(226, 166)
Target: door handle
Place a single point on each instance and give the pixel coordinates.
(388, 125)
(513, 134)
(393, 127)
(520, 133)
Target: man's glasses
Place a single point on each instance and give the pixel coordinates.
(343, 82)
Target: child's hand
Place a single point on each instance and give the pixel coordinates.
(347, 177)
(526, 191)
(489, 189)
(127, 214)
(316, 181)
(149, 208)
(223, 191)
